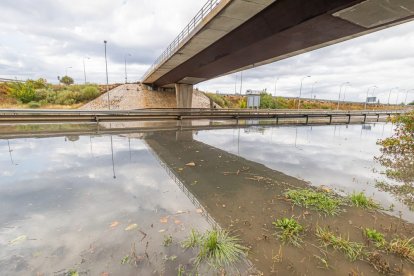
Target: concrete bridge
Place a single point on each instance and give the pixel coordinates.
(227, 36)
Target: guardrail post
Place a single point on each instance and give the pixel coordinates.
(330, 119)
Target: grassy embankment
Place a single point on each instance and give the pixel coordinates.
(269, 102)
(40, 94)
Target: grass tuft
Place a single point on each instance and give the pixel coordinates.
(167, 240)
(361, 200)
(321, 201)
(403, 248)
(217, 248)
(352, 250)
(290, 230)
(193, 240)
(376, 237)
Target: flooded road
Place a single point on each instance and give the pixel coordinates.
(121, 205)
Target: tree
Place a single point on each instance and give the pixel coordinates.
(66, 80)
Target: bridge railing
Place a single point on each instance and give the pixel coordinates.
(171, 49)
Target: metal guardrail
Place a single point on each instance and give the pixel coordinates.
(10, 80)
(171, 49)
(28, 116)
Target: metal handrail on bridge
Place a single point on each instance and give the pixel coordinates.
(171, 49)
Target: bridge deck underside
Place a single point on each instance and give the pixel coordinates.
(287, 28)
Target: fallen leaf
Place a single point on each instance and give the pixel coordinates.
(164, 219)
(180, 212)
(180, 169)
(18, 240)
(177, 221)
(191, 164)
(114, 224)
(161, 231)
(199, 211)
(105, 274)
(131, 227)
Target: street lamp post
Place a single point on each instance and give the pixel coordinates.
(84, 68)
(107, 81)
(126, 75)
(276, 86)
(406, 95)
(340, 91)
(313, 85)
(300, 90)
(398, 95)
(389, 95)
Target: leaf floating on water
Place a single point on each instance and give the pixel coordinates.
(105, 273)
(177, 221)
(18, 240)
(131, 227)
(161, 231)
(164, 219)
(114, 224)
(191, 164)
(180, 212)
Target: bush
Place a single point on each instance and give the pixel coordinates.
(23, 92)
(89, 93)
(39, 83)
(266, 101)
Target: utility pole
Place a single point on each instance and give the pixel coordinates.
(126, 75)
(107, 80)
(389, 95)
(84, 68)
(340, 91)
(300, 90)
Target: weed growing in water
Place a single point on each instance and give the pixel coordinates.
(193, 240)
(402, 247)
(361, 200)
(167, 240)
(376, 237)
(351, 249)
(321, 201)
(217, 248)
(289, 230)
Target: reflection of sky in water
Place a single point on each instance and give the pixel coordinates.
(337, 156)
(63, 196)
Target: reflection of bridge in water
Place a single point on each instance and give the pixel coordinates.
(246, 197)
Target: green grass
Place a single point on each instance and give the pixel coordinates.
(353, 250)
(290, 230)
(361, 200)
(376, 237)
(320, 201)
(217, 248)
(193, 240)
(403, 248)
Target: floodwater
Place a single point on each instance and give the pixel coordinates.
(107, 205)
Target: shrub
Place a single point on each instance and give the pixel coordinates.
(89, 93)
(23, 92)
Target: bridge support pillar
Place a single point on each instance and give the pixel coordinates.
(184, 95)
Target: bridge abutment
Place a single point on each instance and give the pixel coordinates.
(184, 95)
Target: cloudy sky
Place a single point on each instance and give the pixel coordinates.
(44, 38)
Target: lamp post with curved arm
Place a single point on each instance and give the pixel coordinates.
(389, 95)
(300, 90)
(340, 91)
(84, 68)
(406, 95)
